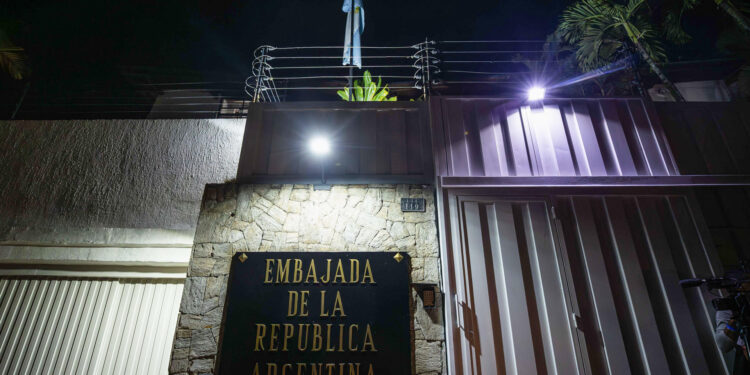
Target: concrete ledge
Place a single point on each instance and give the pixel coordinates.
(96, 252)
(109, 272)
(595, 181)
(111, 256)
(103, 237)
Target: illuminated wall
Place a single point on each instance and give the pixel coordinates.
(261, 218)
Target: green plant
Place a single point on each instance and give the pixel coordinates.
(603, 31)
(367, 90)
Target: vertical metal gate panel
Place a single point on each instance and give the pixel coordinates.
(589, 289)
(476, 137)
(86, 326)
(633, 251)
(511, 300)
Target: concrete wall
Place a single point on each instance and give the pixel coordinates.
(253, 218)
(106, 209)
(59, 175)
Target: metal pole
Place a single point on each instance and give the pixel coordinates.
(351, 53)
(351, 79)
(426, 73)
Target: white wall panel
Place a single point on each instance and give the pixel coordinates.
(86, 326)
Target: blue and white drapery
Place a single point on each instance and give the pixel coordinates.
(354, 28)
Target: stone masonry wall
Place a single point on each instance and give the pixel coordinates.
(297, 218)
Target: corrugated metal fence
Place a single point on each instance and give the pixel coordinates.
(589, 288)
(579, 137)
(87, 326)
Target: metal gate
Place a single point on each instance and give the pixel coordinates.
(578, 285)
(86, 326)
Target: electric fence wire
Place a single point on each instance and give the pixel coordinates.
(495, 41)
(489, 61)
(479, 72)
(337, 77)
(335, 57)
(285, 73)
(337, 67)
(297, 66)
(496, 51)
(496, 63)
(270, 61)
(335, 88)
(271, 48)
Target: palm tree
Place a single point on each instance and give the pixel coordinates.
(676, 8)
(736, 43)
(11, 58)
(367, 91)
(731, 10)
(602, 32)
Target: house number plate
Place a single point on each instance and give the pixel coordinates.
(412, 204)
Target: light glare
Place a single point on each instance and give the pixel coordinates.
(536, 93)
(320, 146)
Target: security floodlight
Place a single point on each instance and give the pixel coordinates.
(536, 93)
(320, 146)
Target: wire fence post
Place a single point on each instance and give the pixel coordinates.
(258, 73)
(351, 80)
(424, 67)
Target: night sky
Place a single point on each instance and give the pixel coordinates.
(92, 40)
(89, 39)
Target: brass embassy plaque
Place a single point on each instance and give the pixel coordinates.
(317, 314)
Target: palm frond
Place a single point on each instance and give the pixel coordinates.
(13, 63)
(632, 8)
(600, 31)
(673, 30)
(12, 58)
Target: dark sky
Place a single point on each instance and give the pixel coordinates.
(91, 40)
(77, 41)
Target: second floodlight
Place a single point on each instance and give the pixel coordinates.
(320, 146)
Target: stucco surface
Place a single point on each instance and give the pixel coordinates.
(111, 173)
